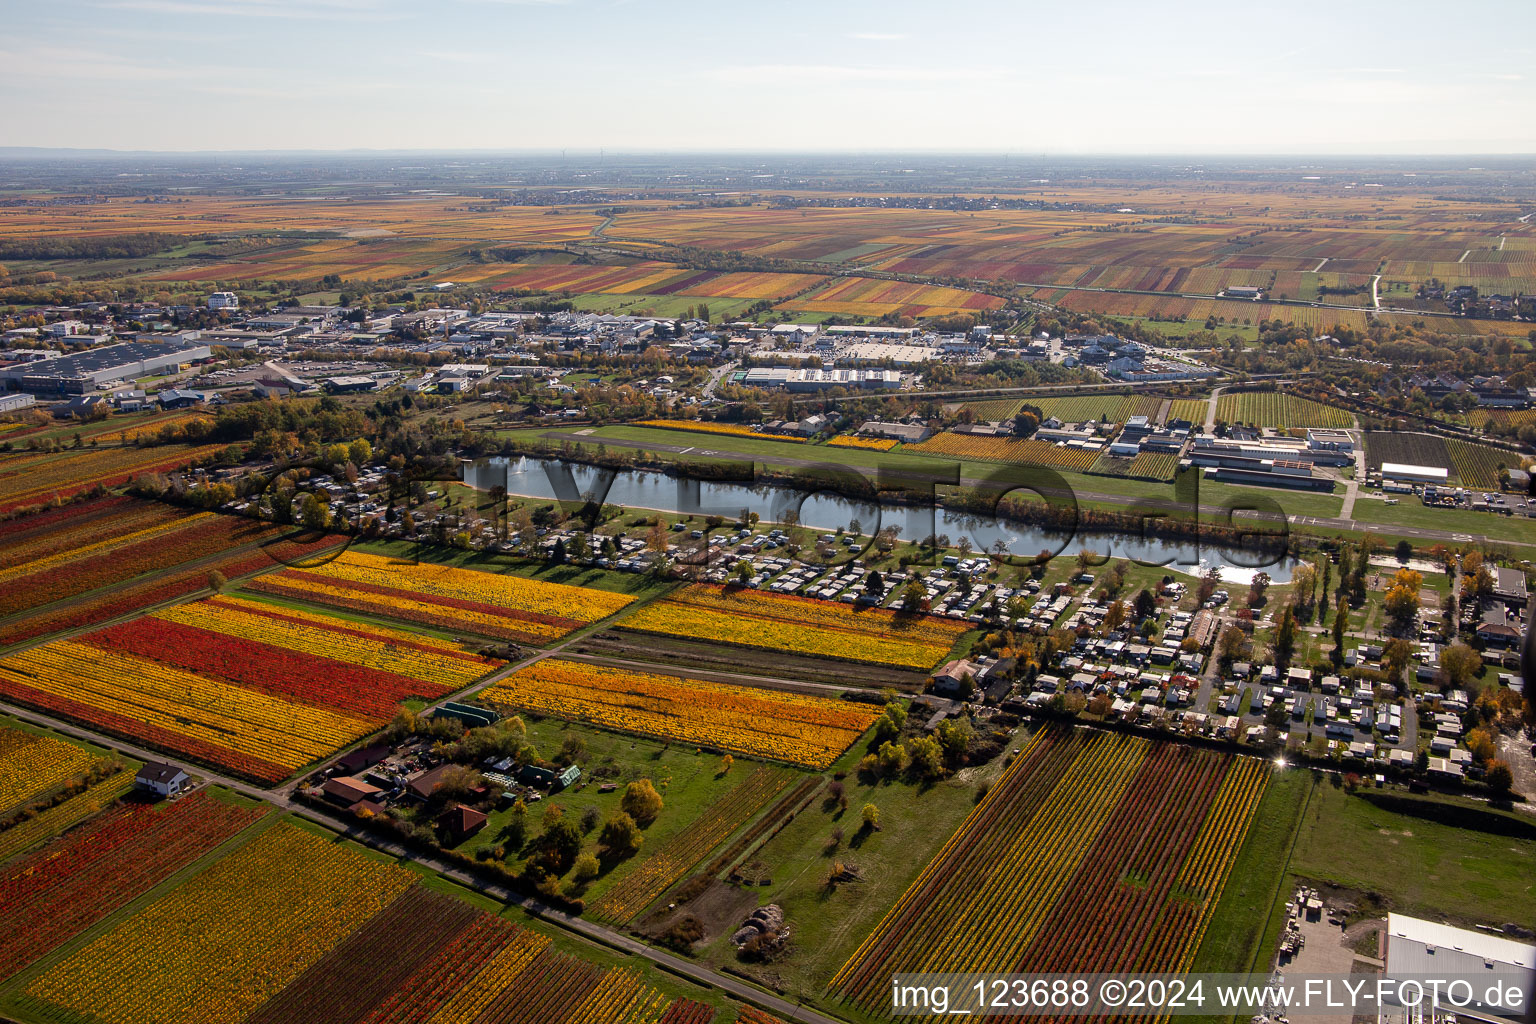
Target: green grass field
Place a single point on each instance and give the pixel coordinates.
(1417, 864)
(1411, 512)
(686, 778)
(915, 821)
(657, 305)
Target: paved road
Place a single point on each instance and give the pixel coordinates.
(716, 375)
(1210, 411)
(283, 800)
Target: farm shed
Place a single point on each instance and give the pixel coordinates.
(362, 757)
(554, 778)
(347, 791)
(159, 777)
(473, 717)
(424, 785)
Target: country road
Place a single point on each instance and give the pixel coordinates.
(283, 800)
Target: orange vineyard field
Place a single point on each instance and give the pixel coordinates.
(293, 928)
(486, 604)
(249, 688)
(751, 618)
(1095, 852)
(799, 729)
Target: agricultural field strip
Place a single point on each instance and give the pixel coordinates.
(247, 687)
(774, 724)
(1274, 409)
(1096, 817)
(60, 891)
(328, 930)
(488, 604)
(30, 765)
(803, 625)
(116, 561)
(113, 600)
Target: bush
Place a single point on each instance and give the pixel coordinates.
(684, 933)
(585, 869)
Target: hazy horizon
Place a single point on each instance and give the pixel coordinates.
(684, 76)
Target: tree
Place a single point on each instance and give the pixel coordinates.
(955, 736)
(1230, 646)
(1404, 550)
(871, 817)
(1303, 582)
(725, 765)
(314, 515)
(359, 452)
(891, 759)
(1499, 778)
(1257, 589)
(621, 836)
(1276, 716)
(1114, 616)
(1459, 665)
(1285, 640)
(1343, 570)
(1209, 581)
(1340, 621)
(1480, 742)
(1402, 600)
(1394, 659)
(1327, 578)
(216, 581)
(558, 846)
(1144, 604)
(914, 597)
(641, 801)
(926, 757)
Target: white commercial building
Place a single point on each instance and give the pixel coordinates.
(223, 300)
(1416, 948)
(1416, 474)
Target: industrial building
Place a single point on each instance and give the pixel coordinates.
(1209, 450)
(15, 402)
(87, 371)
(1414, 474)
(1238, 469)
(1415, 948)
(819, 380)
(347, 385)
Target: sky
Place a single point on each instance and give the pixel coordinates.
(1017, 76)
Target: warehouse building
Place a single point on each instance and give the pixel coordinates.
(1414, 474)
(15, 402)
(820, 380)
(1416, 948)
(1268, 473)
(87, 371)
